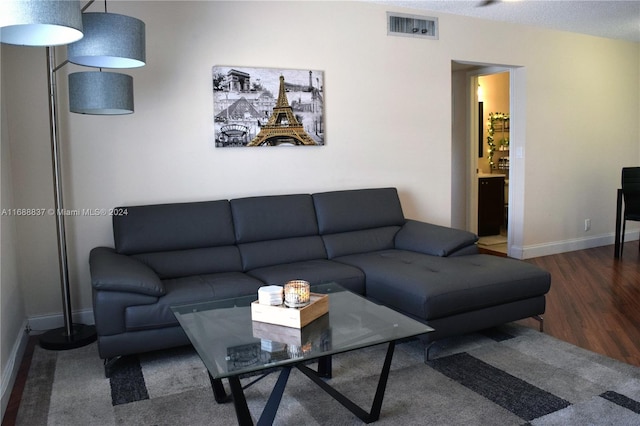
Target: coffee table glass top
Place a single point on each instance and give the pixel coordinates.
(230, 343)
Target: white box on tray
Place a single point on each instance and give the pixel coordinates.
(291, 317)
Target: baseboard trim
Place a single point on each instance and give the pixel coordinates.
(557, 247)
(49, 322)
(10, 372)
(36, 324)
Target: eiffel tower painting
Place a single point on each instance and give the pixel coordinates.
(247, 114)
(282, 127)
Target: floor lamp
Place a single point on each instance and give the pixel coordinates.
(100, 40)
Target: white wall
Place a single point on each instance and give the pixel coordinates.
(461, 160)
(388, 122)
(12, 308)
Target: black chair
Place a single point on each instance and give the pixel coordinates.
(631, 196)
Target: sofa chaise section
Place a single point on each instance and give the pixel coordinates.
(429, 272)
(461, 295)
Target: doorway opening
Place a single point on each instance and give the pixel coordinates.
(493, 93)
(488, 154)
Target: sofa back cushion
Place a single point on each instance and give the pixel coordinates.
(200, 261)
(358, 221)
(179, 226)
(179, 239)
(277, 229)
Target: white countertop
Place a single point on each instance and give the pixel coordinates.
(490, 175)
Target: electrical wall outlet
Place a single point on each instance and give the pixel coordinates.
(587, 224)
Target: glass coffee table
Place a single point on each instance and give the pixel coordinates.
(232, 345)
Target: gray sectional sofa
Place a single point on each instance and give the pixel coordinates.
(188, 252)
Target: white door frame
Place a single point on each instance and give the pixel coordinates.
(517, 142)
(517, 101)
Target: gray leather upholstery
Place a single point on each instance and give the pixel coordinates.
(273, 217)
(117, 272)
(168, 227)
(433, 239)
(276, 229)
(399, 279)
(279, 241)
(342, 211)
(189, 252)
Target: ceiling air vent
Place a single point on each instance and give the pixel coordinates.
(412, 25)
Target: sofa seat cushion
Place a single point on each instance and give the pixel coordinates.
(431, 287)
(315, 271)
(193, 289)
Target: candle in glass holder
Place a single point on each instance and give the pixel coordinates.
(297, 293)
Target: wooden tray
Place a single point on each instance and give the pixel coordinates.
(291, 317)
(314, 332)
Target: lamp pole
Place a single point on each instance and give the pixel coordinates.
(97, 40)
(71, 335)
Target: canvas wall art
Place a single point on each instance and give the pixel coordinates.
(267, 107)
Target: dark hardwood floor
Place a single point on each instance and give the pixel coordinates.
(594, 303)
(11, 413)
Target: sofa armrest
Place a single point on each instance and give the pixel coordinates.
(111, 271)
(432, 239)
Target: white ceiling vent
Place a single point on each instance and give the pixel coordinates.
(412, 25)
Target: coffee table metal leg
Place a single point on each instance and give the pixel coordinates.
(324, 370)
(374, 414)
(239, 402)
(324, 367)
(382, 384)
(218, 390)
(270, 410)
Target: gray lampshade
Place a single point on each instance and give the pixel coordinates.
(100, 93)
(110, 41)
(40, 22)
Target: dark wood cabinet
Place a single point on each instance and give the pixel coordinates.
(490, 205)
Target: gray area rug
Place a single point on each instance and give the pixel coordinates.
(512, 375)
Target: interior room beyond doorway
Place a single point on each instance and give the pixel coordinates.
(493, 161)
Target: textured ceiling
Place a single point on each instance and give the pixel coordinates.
(608, 18)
